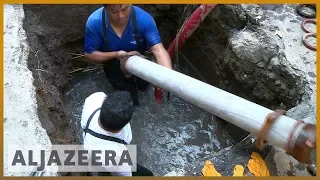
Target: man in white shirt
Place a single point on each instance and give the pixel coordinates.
(105, 120)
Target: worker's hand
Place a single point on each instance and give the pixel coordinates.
(131, 53)
(123, 55)
(120, 54)
(311, 142)
(123, 59)
(123, 67)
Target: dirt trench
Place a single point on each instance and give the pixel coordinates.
(51, 43)
(52, 38)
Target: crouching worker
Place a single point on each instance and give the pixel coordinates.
(106, 123)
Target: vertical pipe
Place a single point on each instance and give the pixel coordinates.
(186, 30)
(190, 26)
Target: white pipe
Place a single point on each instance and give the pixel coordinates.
(238, 111)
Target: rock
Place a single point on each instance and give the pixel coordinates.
(254, 13)
(253, 47)
(304, 111)
(281, 164)
(273, 72)
(164, 7)
(230, 16)
(177, 172)
(271, 7)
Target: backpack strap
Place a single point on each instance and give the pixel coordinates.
(89, 120)
(136, 34)
(108, 138)
(101, 136)
(105, 38)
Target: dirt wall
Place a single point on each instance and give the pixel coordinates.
(236, 48)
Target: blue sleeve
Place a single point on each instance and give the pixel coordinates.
(92, 41)
(151, 32)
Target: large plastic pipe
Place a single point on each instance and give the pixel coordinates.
(236, 110)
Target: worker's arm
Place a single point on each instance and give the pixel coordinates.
(162, 56)
(98, 56)
(93, 42)
(123, 59)
(154, 41)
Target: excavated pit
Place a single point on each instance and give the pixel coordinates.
(175, 134)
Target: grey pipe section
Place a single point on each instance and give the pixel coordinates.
(236, 110)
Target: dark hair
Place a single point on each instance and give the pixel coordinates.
(115, 5)
(116, 110)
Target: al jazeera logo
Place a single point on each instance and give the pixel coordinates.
(72, 158)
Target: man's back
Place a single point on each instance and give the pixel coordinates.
(92, 103)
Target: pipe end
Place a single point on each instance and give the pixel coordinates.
(304, 148)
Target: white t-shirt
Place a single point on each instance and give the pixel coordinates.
(93, 102)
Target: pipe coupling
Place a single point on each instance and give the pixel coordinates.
(302, 143)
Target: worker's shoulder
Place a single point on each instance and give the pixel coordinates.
(142, 15)
(97, 96)
(95, 18)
